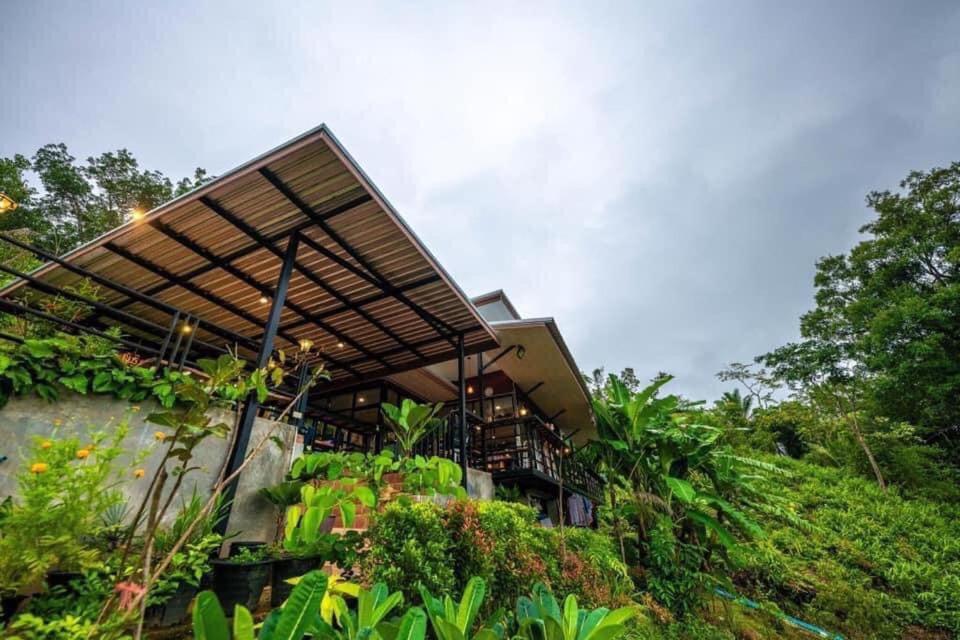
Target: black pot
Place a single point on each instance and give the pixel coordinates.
(236, 547)
(9, 606)
(240, 583)
(174, 610)
(283, 570)
(63, 579)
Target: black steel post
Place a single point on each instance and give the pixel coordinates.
(245, 425)
(300, 412)
(462, 378)
(481, 399)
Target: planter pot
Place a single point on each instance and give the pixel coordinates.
(174, 610)
(63, 579)
(240, 583)
(9, 606)
(283, 570)
(236, 547)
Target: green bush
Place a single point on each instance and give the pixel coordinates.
(442, 548)
(409, 547)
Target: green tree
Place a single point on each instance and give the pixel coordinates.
(76, 202)
(884, 337)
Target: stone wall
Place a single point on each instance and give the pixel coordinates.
(252, 517)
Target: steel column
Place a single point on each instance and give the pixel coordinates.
(462, 378)
(238, 451)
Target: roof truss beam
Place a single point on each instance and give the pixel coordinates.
(304, 271)
(373, 276)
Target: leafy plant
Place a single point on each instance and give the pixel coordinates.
(410, 422)
(65, 488)
(541, 618)
(454, 621)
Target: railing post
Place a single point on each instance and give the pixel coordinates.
(238, 451)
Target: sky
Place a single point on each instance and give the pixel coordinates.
(660, 177)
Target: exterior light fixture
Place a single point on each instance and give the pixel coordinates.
(339, 345)
(263, 300)
(137, 213)
(469, 388)
(521, 351)
(306, 344)
(360, 399)
(523, 411)
(7, 203)
(488, 392)
(566, 450)
(186, 328)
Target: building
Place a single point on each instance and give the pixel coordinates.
(298, 250)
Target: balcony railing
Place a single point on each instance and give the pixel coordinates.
(505, 447)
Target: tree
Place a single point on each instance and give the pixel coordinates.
(885, 331)
(78, 202)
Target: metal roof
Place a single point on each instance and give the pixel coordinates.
(364, 289)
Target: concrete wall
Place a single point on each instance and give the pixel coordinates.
(480, 484)
(252, 516)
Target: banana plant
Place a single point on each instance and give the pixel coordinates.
(292, 622)
(541, 618)
(454, 621)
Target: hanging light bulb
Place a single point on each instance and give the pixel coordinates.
(186, 328)
(263, 300)
(469, 388)
(523, 411)
(339, 345)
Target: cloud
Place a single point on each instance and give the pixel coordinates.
(660, 178)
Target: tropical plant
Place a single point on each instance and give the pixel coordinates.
(410, 422)
(541, 618)
(281, 496)
(303, 522)
(454, 621)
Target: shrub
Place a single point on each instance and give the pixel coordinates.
(410, 546)
(497, 541)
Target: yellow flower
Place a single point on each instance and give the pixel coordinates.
(83, 453)
(38, 467)
(46, 444)
(139, 473)
(160, 436)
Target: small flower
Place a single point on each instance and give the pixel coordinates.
(46, 444)
(38, 467)
(139, 473)
(159, 436)
(57, 422)
(83, 453)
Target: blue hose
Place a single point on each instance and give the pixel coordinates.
(796, 622)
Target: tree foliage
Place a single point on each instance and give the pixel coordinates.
(64, 202)
(887, 315)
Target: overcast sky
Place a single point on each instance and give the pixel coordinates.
(659, 177)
